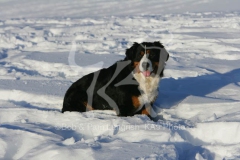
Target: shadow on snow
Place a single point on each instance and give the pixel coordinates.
(173, 91)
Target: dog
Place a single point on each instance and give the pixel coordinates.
(129, 86)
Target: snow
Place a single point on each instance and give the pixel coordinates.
(47, 45)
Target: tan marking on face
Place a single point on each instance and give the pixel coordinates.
(143, 52)
(136, 66)
(136, 102)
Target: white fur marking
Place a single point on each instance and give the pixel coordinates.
(148, 87)
(145, 59)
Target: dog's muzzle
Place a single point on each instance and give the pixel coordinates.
(145, 66)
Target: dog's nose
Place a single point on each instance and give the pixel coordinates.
(145, 65)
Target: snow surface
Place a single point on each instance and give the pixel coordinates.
(47, 45)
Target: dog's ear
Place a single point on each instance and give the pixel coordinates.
(130, 52)
(159, 44)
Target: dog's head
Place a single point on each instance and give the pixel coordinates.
(147, 58)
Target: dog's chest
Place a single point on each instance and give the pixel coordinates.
(148, 86)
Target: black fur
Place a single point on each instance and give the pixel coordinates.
(76, 97)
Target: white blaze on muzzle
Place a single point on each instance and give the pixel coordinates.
(145, 66)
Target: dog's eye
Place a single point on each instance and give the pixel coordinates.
(140, 55)
(151, 55)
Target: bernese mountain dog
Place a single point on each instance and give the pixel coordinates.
(129, 86)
